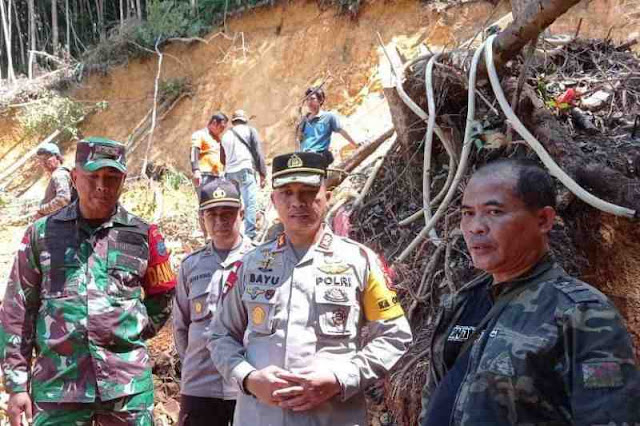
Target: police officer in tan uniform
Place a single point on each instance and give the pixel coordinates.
(205, 398)
(288, 332)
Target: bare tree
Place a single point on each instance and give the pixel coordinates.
(55, 39)
(11, 76)
(101, 27)
(122, 14)
(68, 24)
(139, 9)
(31, 12)
(20, 36)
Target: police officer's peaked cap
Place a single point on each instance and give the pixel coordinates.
(95, 153)
(299, 167)
(219, 193)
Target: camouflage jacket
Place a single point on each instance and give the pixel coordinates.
(557, 354)
(58, 193)
(295, 313)
(85, 299)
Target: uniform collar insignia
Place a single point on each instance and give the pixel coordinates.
(267, 261)
(282, 240)
(325, 241)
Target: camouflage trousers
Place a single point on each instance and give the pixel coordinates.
(134, 410)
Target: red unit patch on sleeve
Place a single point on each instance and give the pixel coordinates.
(160, 277)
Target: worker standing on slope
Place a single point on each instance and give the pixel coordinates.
(315, 129)
(242, 159)
(60, 188)
(206, 163)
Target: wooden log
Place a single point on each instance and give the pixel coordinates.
(528, 24)
(358, 157)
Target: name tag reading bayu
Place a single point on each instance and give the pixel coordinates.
(263, 279)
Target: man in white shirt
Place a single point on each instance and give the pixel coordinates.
(242, 157)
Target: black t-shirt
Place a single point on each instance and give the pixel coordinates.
(444, 397)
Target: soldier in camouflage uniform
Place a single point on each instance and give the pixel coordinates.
(206, 399)
(290, 329)
(525, 343)
(59, 189)
(89, 285)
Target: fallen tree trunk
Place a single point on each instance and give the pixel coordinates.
(10, 172)
(527, 25)
(358, 157)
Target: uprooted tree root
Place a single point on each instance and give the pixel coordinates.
(599, 248)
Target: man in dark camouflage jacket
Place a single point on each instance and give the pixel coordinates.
(525, 343)
(89, 284)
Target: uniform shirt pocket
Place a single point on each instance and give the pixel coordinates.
(125, 273)
(198, 304)
(336, 311)
(261, 307)
(61, 277)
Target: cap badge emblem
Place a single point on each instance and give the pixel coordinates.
(219, 193)
(294, 162)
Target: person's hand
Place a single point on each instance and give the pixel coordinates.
(19, 403)
(197, 178)
(313, 387)
(263, 181)
(264, 383)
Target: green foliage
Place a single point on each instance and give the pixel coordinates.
(172, 88)
(117, 49)
(50, 112)
(166, 19)
(174, 179)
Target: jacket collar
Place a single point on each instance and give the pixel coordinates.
(238, 252)
(72, 212)
(544, 265)
(325, 244)
(540, 271)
